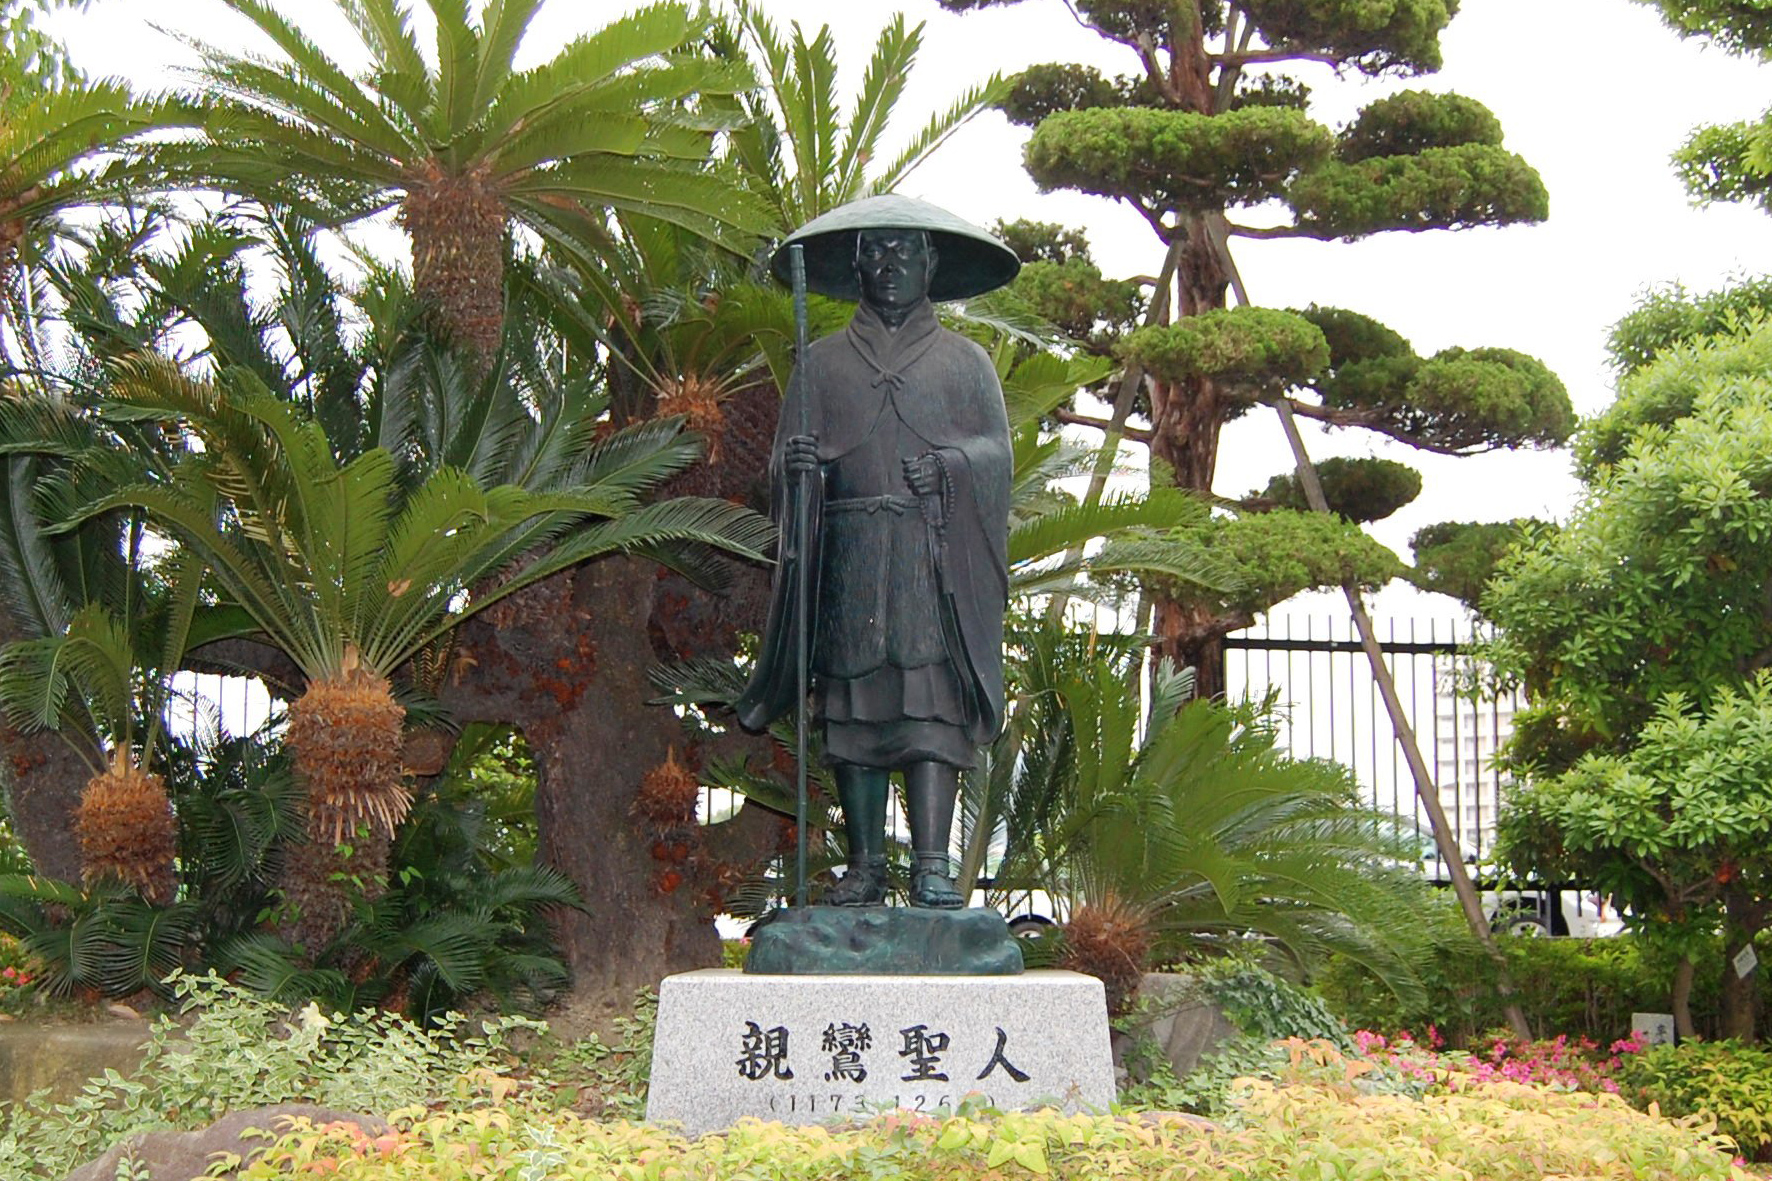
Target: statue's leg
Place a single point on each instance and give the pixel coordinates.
(862, 793)
(930, 790)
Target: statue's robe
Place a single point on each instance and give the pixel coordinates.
(908, 592)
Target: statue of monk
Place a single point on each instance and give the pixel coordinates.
(910, 459)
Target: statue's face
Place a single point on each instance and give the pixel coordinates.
(894, 267)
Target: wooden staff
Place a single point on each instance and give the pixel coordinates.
(802, 577)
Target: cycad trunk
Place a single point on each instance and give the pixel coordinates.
(567, 662)
(43, 776)
(345, 742)
(12, 236)
(1110, 940)
(457, 228)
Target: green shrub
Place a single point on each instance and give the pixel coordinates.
(1318, 1127)
(1725, 1081)
(595, 1077)
(1265, 1006)
(236, 1051)
(1267, 1011)
(1578, 987)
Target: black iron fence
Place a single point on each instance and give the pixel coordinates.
(1331, 708)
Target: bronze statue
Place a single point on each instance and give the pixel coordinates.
(907, 549)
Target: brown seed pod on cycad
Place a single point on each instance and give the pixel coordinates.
(126, 829)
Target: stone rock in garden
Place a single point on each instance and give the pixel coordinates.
(883, 940)
(61, 1058)
(180, 1156)
(1171, 1014)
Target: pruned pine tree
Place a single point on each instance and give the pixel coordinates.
(465, 145)
(1725, 161)
(1202, 129)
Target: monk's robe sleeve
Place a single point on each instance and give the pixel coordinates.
(774, 682)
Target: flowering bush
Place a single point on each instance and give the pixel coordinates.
(17, 973)
(1560, 1063)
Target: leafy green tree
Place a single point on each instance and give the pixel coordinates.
(1194, 135)
(1680, 824)
(1670, 315)
(471, 146)
(1649, 604)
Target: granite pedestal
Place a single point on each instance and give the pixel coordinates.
(811, 1049)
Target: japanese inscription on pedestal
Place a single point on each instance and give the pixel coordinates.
(845, 1052)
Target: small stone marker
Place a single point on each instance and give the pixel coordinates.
(825, 1048)
(1653, 1029)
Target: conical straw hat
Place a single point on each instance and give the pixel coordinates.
(970, 261)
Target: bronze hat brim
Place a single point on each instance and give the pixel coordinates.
(969, 262)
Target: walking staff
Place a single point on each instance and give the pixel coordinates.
(802, 583)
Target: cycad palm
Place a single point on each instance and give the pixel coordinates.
(1199, 826)
(52, 124)
(351, 575)
(798, 151)
(465, 147)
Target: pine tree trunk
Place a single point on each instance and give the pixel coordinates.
(1186, 417)
(457, 228)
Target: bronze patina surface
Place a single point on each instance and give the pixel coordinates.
(905, 465)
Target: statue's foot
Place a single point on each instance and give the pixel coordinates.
(932, 887)
(863, 884)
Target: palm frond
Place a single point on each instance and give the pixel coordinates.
(939, 129)
(271, 968)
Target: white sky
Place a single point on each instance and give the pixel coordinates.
(1594, 93)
